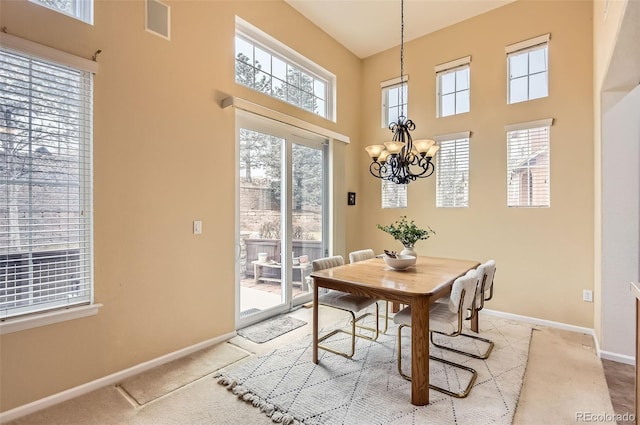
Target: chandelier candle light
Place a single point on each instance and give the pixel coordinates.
(402, 160)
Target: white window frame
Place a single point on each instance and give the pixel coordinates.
(522, 136)
(81, 9)
(526, 47)
(385, 88)
(441, 70)
(259, 39)
(54, 312)
(460, 144)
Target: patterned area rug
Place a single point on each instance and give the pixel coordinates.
(287, 386)
(272, 328)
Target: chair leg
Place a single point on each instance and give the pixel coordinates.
(353, 334)
(462, 394)
(467, 389)
(374, 331)
(386, 317)
(485, 355)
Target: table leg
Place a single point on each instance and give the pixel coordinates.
(420, 351)
(474, 322)
(315, 323)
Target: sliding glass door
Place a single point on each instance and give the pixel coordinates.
(281, 221)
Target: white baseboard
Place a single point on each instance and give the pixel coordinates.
(114, 378)
(621, 358)
(542, 322)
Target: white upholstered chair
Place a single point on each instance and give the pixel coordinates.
(484, 292)
(350, 303)
(361, 255)
(366, 254)
(446, 319)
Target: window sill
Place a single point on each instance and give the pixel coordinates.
(48, 318)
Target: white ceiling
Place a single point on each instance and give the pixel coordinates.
(366, 27)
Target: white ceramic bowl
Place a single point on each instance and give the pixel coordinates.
(400, 263)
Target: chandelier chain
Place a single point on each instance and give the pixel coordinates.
(402, 57)
(400, 161)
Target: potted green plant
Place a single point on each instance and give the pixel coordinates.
(408, 233)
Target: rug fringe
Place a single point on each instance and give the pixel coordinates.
(265, 407)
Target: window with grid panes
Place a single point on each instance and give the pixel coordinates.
(266, 65)
(79, 9)
(452, 172)
(394, 101)
(528, 69)
(528, 179)
(394, 104)
(46, 250)
(453, 87)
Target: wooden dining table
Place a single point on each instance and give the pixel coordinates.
(418, 286)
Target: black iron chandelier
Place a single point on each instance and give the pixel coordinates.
(402, 160)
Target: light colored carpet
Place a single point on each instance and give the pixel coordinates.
(171, 376)
(564, 383)
(563, 376)
(270, 329)
(367, 389)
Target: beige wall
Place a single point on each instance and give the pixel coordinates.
(164, 156)
(544, 256)
(159, 129)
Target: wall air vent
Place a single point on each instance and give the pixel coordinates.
(158, 18)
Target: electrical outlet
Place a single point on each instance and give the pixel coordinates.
(587, 295)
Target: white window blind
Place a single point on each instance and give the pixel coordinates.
(45, 185)
(528, 167)
(394, 195)
(452, 173)
(528, 69)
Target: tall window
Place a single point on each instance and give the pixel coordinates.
(395, 94)
(394, 104)
(452, 171)
(266, 65)
(453, 87)
(528, 164)
(79, 9)
(528, 69)
(45, 184)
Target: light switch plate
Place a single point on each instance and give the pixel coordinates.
(197, 227)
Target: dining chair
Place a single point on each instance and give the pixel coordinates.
(349, 303)
(366, 254)
(446, 319)
(484, 292)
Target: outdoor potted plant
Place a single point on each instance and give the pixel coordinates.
(407, 233)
